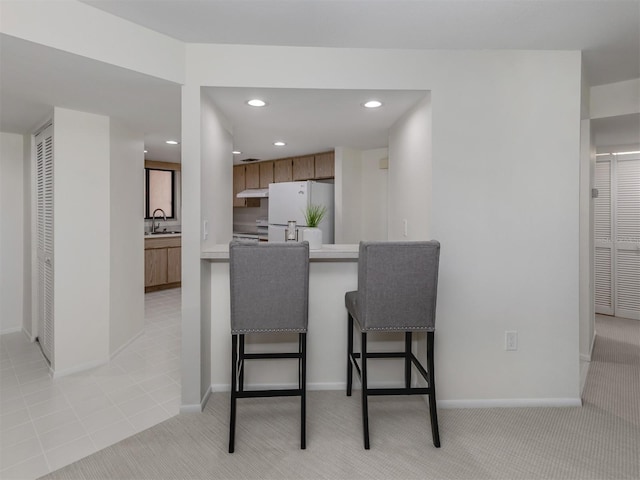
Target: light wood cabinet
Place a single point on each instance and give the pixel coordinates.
(266, 174)
(261, 174)
(324, 165)
(282, 170)
(155, 267)
(252, 175)
(240, 179)
(174, 264)
(238, 185)
(162, 263)
(303, 168)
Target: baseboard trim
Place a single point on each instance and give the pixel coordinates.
(447, 404)
(511, 403)
(225, 387)
(587, 357)
(126, 344)
(11, 330)
(197, 407)
(32, 338)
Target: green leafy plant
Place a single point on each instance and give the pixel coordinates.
(314, 214)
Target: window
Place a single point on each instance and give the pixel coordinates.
(159, 192)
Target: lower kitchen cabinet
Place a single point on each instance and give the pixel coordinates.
(162, 263)
(174, 264)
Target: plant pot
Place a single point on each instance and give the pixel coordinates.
(313, 235)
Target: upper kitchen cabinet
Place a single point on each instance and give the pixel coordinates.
(324, 165)
(303, 168)
(242, 174)
(266, 174)
(282, 170)
(252, 176)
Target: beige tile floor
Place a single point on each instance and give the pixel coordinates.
(46, 424)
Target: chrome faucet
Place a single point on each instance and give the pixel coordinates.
(154, 227)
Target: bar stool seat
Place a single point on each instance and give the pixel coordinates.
(269, 287)
(397, 289)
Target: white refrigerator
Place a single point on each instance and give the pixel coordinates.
(288, 201)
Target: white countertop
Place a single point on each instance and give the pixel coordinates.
(162, 235)
(344, 252)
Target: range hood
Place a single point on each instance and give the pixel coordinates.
(254, 193)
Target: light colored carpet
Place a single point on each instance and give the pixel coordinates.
(601, 440)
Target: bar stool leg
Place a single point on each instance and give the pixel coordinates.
(232, 420)
(303, 393)
(241, 361)
(432, 396)
(365, 404)
(349, 354)
(407, 359)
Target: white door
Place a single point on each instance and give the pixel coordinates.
(627, 238)
(603, 209)
(617, 232)
(44, 233)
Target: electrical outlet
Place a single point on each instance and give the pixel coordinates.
(205, 230)
(511, 340)
(405, 227)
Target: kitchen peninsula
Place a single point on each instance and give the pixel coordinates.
(333, 271)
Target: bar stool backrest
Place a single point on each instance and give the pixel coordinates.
(397, 285)
(269, 287)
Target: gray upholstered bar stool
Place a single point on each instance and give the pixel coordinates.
(397, 287)
(269, 293)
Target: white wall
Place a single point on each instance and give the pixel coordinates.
(11, 232)
(613, 99)
(587, 252)
(30, 322)
(75, 27)
(81, 240)
(126, 277)
(374, 194)
(348, 195)
(506, 210)
(361, 194)
(509, 229)
(217, 210)
(217, 163)
(410, 176)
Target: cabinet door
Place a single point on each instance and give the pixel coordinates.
(238, 185)
(282, 170)
(266, 174)
(155, 267)
(252, 176)
(174, 264)
(303, 168)
(324, 165)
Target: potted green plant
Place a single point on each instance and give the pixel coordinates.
(313, 215)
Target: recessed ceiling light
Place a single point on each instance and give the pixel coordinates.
(256, 102)
(279, 144)
(172, 142)
(236, 152)
(372, 104)
(145, 151)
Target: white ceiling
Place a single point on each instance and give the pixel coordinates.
(608, 31)
(330, 118)
(33, 78)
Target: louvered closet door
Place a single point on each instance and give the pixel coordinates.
(627, 238)
(44, 227)
(603, 240)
